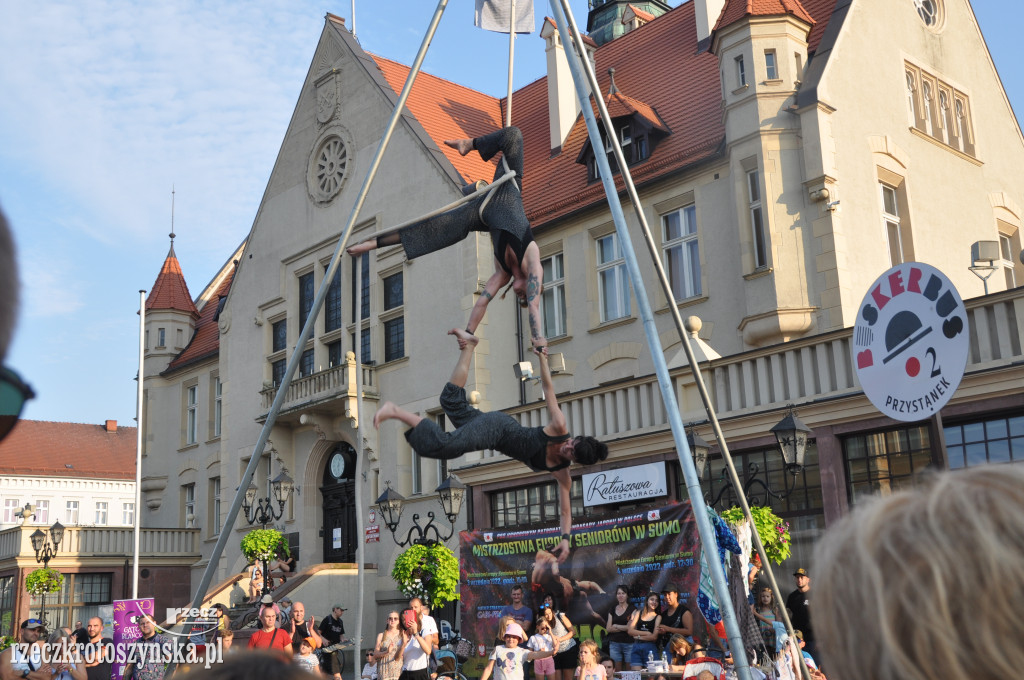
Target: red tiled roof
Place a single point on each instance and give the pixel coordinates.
(170, 290)
(205, 341)
(448, 111)
(619, 104)
(646, 16)
(668, 81)
(660, 68)
(734, 10)
(37, 447)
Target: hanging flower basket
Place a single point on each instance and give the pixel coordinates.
(773, 530)
(264, 544)
(44, 580)
(430, 573)
(6, 641)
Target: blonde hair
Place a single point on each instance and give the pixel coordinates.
(898, 572)
(592, 646)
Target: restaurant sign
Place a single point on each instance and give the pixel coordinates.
(625, 484)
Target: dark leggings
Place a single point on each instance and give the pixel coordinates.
(503, 213)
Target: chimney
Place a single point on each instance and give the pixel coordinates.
(707, 13)
(562, 104)
(112, 426)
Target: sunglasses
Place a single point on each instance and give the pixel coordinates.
(13, 395)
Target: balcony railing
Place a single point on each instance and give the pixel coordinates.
(104, 542)
(814, 368)
(336, 382)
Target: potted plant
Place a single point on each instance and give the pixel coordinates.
(429, 572)
(264, 545)
(44, 580)
(773, 530)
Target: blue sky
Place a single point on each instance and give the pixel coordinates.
(108, 103)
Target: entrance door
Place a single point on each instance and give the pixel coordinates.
(338, 491)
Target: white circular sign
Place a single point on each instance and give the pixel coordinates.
(910, 341)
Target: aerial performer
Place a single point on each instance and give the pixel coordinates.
(544, 449)
(499, 211)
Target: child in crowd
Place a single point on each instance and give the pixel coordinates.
(590, 667)
(306, 659)
(370, 668)
(542, 641)
(509, 659)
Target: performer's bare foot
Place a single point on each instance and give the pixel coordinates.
(464, 337)
(463, 146)
(362, 247)
(386, 411)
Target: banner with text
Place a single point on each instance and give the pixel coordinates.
(644, 551)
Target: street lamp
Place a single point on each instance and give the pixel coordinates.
(792, 435)
(699, 448)
(261, 510)
(46, 548)
(451, 492)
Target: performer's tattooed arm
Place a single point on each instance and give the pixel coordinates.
(498, 279)
(534, 291)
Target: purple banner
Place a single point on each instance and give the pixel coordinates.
(126, 627)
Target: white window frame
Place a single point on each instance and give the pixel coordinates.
(758, 233)
(101, 513)
(189, 505)
(191, 414)
(215, 506)
(553, 296)
(11, 506)
(71, 512)
(741, 72)
(128, 514)
(218, 406)
(616, 267)
(771, 67)
(911, 96)
(1006, 250)
(161, 337)
(891, 223)
(690, 286)
(43, 511)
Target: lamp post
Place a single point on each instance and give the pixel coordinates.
(791, 435)
(451, 492)
(46, 547)
(261, 510)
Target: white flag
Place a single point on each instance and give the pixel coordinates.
(494, 15)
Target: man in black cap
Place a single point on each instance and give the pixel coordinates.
(332, 629)
(15, 663)
(798, 603)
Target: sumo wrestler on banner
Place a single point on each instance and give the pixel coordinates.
(645, 551)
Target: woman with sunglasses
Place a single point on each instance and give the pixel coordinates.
(564, 636)
(386, 649)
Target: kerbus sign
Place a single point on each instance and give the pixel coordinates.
(910, 341)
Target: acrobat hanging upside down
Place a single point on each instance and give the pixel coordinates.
(499, 211)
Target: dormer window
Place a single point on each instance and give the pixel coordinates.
(635, 124)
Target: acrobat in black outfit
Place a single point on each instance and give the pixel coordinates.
(549, 448)
(516, 255)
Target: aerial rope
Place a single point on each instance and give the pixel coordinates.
(564, 21)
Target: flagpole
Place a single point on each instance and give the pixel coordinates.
(511, 59)
(138, 447)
